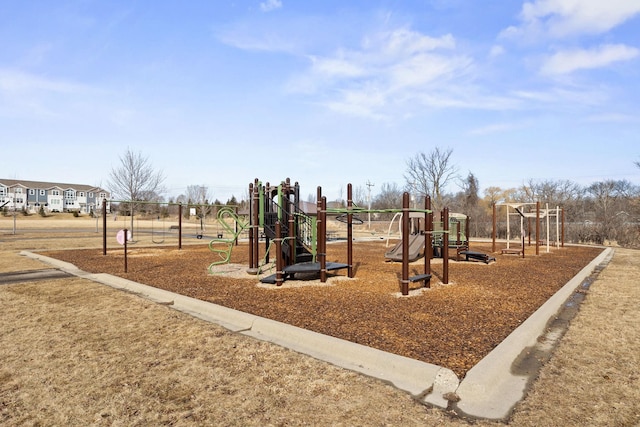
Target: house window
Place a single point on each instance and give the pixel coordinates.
(55, 192)
(18, 191)
(81, 194)
(32, 192)
(42, 193)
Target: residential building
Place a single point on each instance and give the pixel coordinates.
(51, 196)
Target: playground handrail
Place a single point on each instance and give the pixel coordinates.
(306, 233)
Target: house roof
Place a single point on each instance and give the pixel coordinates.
(47, 185)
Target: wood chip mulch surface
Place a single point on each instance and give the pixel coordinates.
(453, 325)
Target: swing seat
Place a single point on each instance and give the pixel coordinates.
(512, 251)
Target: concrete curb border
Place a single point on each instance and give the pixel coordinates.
(490, 389)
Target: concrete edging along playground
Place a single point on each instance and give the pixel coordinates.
(489, 390)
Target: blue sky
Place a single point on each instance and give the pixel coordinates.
(218, 93)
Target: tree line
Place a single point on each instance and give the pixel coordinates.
(606, 211)
(603, 212)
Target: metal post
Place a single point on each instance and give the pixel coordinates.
(323, 255)
(180, 226)
(104, 226)
(126, 237)
(537, 230)
(258, 216)
(562, 241)
(279, 260)
(493, 231)
(349, 230)
(321, 236)
(251, 237)
(405, 244)
(445, 246)
(428, 228)
(557, 227)
(548, 224)
(289, 211)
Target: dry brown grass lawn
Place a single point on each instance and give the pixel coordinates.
(77, 353)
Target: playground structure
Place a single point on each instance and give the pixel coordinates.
(277, 211)
(458, 230)
(300, 238)
(530, 211)
(458, 227)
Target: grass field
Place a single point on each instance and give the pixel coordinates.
(77, 353)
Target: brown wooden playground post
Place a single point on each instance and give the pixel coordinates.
(251, 261)
(256, 224)
(404, 287)
(279, 259)
(493, 231)
(537, 230)
(104, 226)
(428, 233)
(563, 227)
(180, 226)
(349, 230)
(445, 246)
(322, 237)
(289, 212)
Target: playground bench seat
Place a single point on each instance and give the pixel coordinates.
(477, 255)
(420, 277)
(512, 251)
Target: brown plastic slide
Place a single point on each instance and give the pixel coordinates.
(416, 246)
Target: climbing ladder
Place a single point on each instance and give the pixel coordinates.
(224, 246)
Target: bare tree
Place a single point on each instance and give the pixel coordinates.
(492, 195)
(390, 197)
(360, 196)
(429, 174)
(471, 204)
(136, 181)
(605, 196)
(200, 195)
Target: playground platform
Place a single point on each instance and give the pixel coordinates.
(303, 268)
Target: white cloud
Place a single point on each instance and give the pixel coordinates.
(269, 5)
(561, 18)
(565, 62)
(362, 102)
(389, 70)
(336, 67)
(17, 81)
(240, 38)
(494, 128)
(613, 118)
(496, 51)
